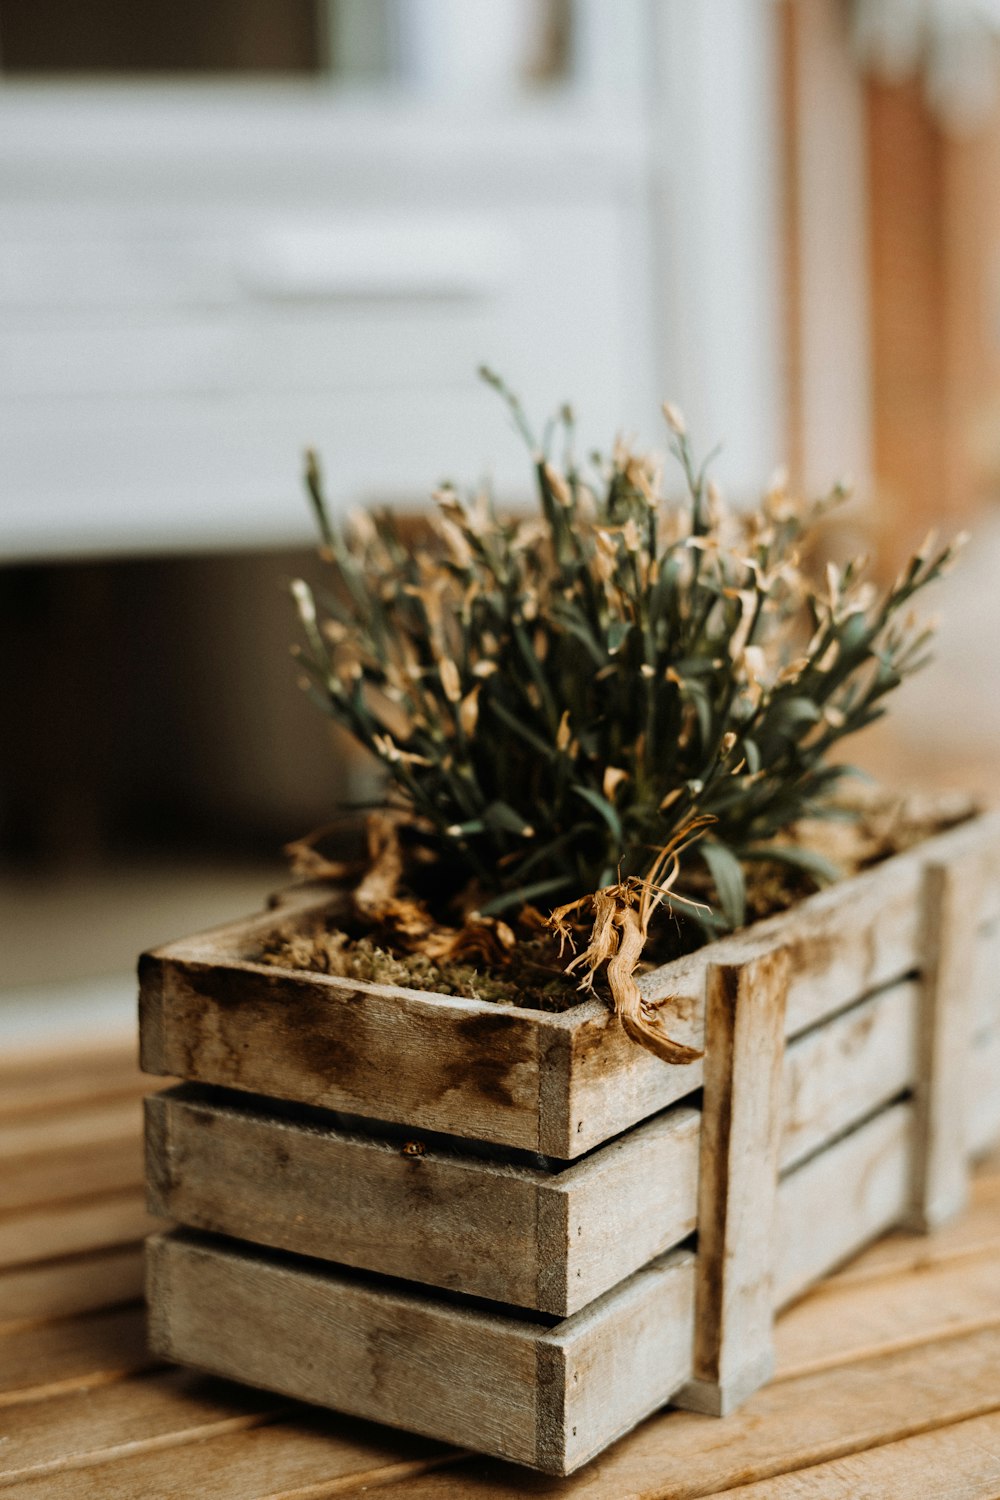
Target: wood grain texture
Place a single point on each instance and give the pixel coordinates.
(856, 1319)
(833, 1204)
(73, 1284)
(904, 1341)
(462, 1374)
(40, 1083)
(951, 904)
(841, 1071)
(157, 1410)
(422, 1210)
(556, 1084)
(740, 1133)
(782, 1429)
(96, 1148)
(72, 1225)
(317, 1457)
(959, 1462)
(67, 1355)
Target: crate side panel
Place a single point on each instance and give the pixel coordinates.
(623, 1359)
(847, 1068)
(982, 1104)
(628, 1203)
(461, 1067)
(986, 981)
(458, 1375)
(836, 1202)
(613, 1083)
(461, 1223)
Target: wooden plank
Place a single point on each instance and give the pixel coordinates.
(318, 1456)
(73, 1225)
(957, 1462)
(846, 1068)
(841, 1198)
(363, 1348)
(420, 1209)
(740, 1133)
(74, 1284)
(951, 921)
(471, 1068)
(459, 1373)
(54, 1080)
(982, 1096)
(850, 1320)
(78, 1352)
(975, 1232)
(559, 1084)
(783, 1428)
(985, 1005)
(623, 1206)
(154, 1410)
(94, 1148)
(604, 1370)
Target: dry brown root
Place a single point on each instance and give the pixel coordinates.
(639, 1019)
(621, 917)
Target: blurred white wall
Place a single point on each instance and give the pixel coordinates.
(200, 276)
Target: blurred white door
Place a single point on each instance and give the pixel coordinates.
(200, 274)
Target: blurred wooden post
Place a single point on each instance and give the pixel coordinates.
(734, 1297)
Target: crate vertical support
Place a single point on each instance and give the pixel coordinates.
(741, 1119)
(951, 903)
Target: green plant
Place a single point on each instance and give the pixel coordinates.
(558, 697)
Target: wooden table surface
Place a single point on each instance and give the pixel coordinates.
(888, 1380)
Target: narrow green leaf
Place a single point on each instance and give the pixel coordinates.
(730, 884)
(603, 806)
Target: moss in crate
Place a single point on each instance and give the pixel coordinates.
(529, 972)
(526, 980)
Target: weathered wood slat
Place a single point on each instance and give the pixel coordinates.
(982, 1094)
(155, 1410)
(318, 1457)
(853, 1320)
(75, 1353)
(510, 1233)
(782, 1429)
(93, 1149)
(958, 1462)
(76, 1284)
(845, 1069)
(985, 1006)
(841, 1198)
(951, 905)
(740, 1133)
(73, 1225)
(976, 1231)
(468, 1376)
(556, 1084)
(40, 1084)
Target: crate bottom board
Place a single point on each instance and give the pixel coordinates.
(545, 1393)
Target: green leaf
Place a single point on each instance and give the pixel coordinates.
(523, 894)
(603, 806)
(618, 632)
(730, 884)
(502, 817)
(521, 729)
(823, 870)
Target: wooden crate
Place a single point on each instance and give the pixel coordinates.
(488, 1170)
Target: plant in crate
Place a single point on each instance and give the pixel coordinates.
(617, 702)
(607, 732)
